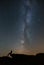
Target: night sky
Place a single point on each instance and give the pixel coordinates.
(21, 26)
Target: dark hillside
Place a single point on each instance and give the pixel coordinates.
(20, 59)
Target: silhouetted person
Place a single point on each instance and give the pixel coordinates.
(10, 53)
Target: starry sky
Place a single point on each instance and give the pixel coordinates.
(21, 26)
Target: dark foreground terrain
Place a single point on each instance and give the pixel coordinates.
(20, 59)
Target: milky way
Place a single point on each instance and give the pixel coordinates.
(26, 13)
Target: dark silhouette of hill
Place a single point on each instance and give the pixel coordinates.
(21, 59)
